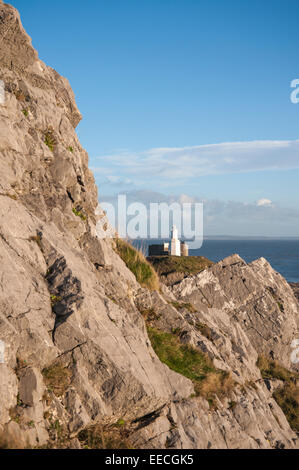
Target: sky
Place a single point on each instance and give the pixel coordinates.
(184, 98)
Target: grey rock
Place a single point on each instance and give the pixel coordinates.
(31, 386)
(295, 287)
(252, 300)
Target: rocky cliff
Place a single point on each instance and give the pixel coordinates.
(295, 287)
(88, 356)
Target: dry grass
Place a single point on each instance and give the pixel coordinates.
(15, 413)
(184, 306)
(286, 396)
(11, 196)
(149, 314)
(106, 437)
(218, 384)
(137, 263)
(271, 369)
(57, 378)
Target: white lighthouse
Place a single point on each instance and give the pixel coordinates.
(175, 244)
(174, 248)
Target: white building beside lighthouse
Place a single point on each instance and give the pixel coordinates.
(175, 244)
(176, 247)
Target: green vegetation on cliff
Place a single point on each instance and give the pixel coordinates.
(137, 263)
(179, 265)
(193, 364)
(287, 396)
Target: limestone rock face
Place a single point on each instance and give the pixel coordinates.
(250, 298)
(295, 287)
(75, 346)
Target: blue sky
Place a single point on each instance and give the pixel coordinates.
(159, 80)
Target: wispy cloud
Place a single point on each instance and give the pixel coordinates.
(166, 169)
(262, 217)
(171, 164)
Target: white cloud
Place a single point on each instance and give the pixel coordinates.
(264, 202)
(172, 164)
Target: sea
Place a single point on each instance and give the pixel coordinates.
(282, 254)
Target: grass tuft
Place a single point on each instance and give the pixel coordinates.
(184, 306)
(287, 396)
(49, 140)
(137, 263)
(271, 369)
(187, 265)
(55, 299)
(11, 196)
(149, 314)
(106, 436)
(193, 364)
(79, 213)
(57, 378)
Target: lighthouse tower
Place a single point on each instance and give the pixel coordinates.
(175, 244)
